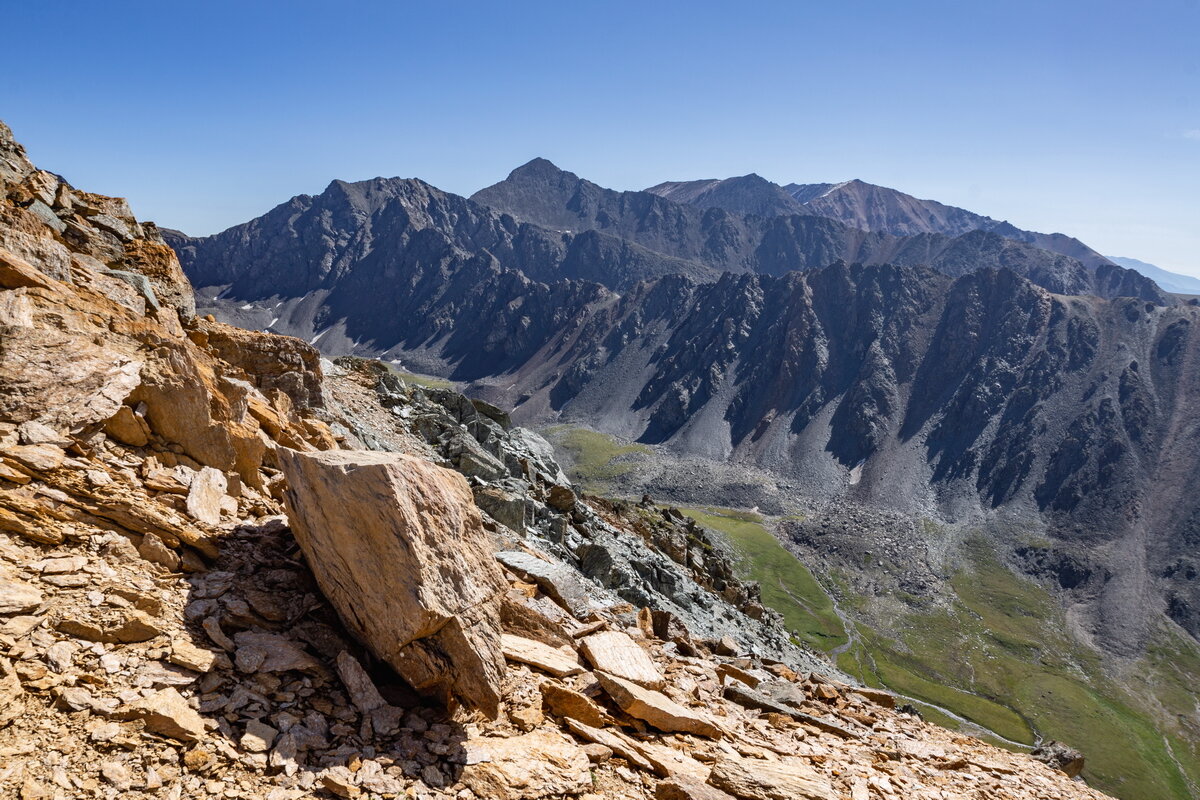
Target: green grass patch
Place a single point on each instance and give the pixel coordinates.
(424, 381)
(597, 459)
(787, 585)
(909, 674)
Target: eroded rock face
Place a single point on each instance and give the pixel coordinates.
(398, 546)
(97, 319)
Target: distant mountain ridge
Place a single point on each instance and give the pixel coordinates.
(718, 226)
(866, 206)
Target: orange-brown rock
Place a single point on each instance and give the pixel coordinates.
(538, 764)
(790, 779)
(93, 309)
(656, 708)
(433, 612)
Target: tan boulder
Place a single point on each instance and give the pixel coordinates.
(205, 494)
(127, 427)
(36, 457)
(398, 547)
(615, 741)
(17, 596)
(154, 550)
(259, 651)
(538, 764)
(570, 704)
(120, 625)
(166, 712)
(682, 787)
(189, 656)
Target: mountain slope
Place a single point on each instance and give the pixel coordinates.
(878, 208)
(730, 241)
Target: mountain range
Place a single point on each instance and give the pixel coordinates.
(967, 376)
(865, 206)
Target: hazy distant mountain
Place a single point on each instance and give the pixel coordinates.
(1168, 281)
(721, 227)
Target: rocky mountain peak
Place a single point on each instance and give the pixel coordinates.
(541, 169)
(748, 194)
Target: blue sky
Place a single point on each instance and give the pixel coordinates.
(1081, 117)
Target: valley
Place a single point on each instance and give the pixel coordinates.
(981, 648)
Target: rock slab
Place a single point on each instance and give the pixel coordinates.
(656, 708)
(539, 764)
(398, 547)
(770, 780)
(617, 654)
(546, 658)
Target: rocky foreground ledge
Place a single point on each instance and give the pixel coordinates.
(438, 614)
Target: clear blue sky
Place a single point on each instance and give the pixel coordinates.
(1082, 117)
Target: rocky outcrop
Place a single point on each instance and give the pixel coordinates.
(432, 612)
(591, 549)
(98, 324)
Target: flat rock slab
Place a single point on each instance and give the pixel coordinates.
(553, 661)
(685, 788)
(669, 762)
(877, 696)
(613, 740)
(752, 779)
(655, 708)
(750, 698)
(617, 654)
(557, 580)
(17, 596)
(166, 712)
(259, 651)
(204, 496)
(539, 764)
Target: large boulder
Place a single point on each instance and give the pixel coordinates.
(398, 547)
